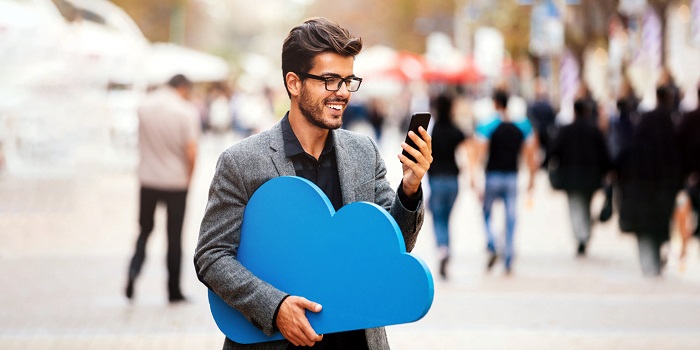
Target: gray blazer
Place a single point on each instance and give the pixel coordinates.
(239, 172)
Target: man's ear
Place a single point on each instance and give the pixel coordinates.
(293, 83)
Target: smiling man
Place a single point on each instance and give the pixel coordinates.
(317, 66)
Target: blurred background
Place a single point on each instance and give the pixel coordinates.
(73, 72)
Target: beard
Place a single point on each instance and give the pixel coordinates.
(313, 111)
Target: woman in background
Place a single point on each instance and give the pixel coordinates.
(443, 174)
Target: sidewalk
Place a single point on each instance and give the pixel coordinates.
(66, 241)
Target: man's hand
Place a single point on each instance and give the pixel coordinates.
(293, 324)
(413, 172)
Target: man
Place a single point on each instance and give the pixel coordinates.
(689, 140)
(503, 140)
(542, 117)
(317, 66)
(169, 128)
(650, 176)
(580, 159)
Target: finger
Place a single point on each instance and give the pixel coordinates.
(292, 338)
(310, 305)
(423, 145)
(303, 334)
(424, 141)
(310, 335)
(426, 137)
(412, 151)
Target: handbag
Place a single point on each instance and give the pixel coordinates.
(607, 210)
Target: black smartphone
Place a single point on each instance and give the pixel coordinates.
(417, 120)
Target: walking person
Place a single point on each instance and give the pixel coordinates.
(624, 121)
(317, 65)
(689, 142)
(649, 176)
(501, 141)
(443, 175)
(578, 162)
(542, 117)
(169, 129)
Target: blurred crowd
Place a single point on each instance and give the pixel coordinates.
(643, 160)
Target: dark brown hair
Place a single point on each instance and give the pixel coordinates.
(313, 37)
(500, 97)
(178, 81)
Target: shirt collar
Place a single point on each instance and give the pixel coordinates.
(292, 146)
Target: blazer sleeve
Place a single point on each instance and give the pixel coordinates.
(219, 238)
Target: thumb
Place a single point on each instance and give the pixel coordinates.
(310, 305)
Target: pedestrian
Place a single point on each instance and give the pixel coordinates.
(624, 121)
(650, 176)
(377, 115)
(317, 66)
(501, 141)
(443, 174)
(542, 117)
(689, 142)
(169, 129)
(219, 118)
(580, 160)
(584, 94)
(667, 81)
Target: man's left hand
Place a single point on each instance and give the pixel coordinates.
(413, 172)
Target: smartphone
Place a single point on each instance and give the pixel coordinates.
(417, 120)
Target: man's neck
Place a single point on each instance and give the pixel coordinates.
(311, 137)
(503, 114)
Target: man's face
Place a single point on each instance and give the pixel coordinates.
(185, 91)
(319, 106)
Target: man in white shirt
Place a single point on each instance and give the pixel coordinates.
(168, 132)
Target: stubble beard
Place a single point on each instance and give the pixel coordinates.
(313, 112)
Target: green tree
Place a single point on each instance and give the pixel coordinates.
(153, 16)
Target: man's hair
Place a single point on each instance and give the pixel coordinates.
(443, 108)
(313, 37)
(500, 97)
(178, 81)
(664, 96)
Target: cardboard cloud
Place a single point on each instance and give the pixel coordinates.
(353, 262)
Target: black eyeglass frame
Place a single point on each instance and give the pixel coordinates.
(326, 80)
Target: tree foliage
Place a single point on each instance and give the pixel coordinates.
(152, 17)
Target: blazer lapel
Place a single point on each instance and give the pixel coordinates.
(348, 170)
(284, 165)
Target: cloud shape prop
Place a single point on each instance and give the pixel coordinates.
(353, 262)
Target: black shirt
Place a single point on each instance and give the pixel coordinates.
(504, 148)
(322, 172)
(446, 138)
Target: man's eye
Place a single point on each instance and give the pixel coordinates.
(333, 80)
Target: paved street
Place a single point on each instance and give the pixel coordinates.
(67, 237)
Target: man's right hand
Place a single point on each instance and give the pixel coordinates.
(292, 321)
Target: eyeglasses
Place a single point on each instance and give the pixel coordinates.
(334, 83)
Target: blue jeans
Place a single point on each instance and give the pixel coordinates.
(443, 193)
(503, 185)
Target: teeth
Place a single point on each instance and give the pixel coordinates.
(336, 107)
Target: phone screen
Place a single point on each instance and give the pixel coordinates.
(417, 120)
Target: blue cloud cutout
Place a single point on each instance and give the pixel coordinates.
(353, 262)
